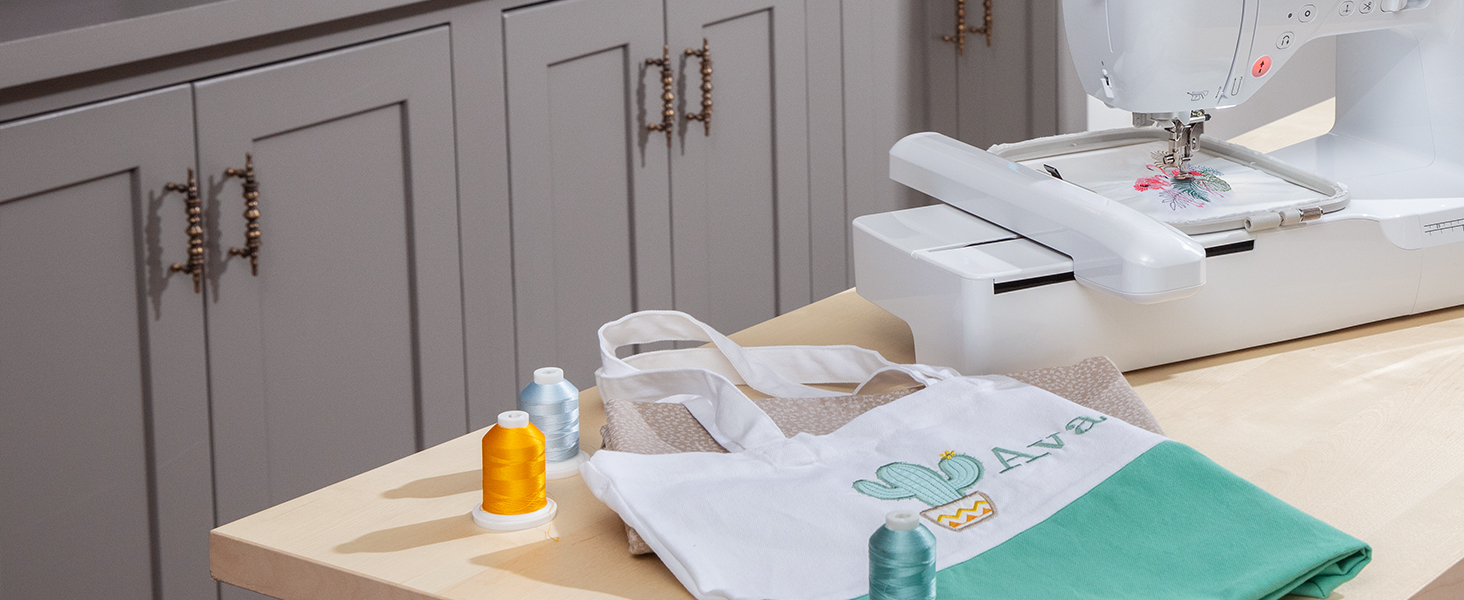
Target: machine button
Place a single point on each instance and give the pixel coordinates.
(1308, 13)
(1366, 6)
(1284, 41)
(1389, 6)
(1346, 8)
(1262, 66)
(1235, 86)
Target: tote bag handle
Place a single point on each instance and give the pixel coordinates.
(705, 379)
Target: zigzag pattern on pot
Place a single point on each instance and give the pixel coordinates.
(962, 516)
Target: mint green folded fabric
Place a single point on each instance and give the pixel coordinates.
(1171, 524)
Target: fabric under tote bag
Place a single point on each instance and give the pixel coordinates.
(1028, 495)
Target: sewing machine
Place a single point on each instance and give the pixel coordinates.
(1022, 266)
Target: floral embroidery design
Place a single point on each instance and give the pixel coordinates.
(1182, 188)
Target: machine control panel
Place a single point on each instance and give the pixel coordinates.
(1262, 66)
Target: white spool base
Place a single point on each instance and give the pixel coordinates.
(488, 520)
(566, 468)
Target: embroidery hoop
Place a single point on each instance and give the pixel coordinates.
(1336, 195)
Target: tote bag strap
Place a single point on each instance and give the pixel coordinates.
(705, 379)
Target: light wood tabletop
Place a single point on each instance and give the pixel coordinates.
(1361, 428)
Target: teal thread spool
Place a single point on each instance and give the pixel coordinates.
(902, 559)
(553, 406)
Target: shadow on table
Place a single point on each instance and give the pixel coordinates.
(439, 486)
(411, 536)
(559, 563)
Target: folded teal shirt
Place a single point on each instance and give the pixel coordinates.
(1170, 525)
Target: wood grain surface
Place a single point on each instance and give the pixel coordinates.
(1357, 427)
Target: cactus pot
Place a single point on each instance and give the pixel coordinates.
(962, 513)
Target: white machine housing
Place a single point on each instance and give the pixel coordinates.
(1017, 270)
(1157, 56)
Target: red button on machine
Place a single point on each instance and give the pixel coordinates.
(1262, 66)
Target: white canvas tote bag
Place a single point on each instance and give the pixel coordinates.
(1028, 494)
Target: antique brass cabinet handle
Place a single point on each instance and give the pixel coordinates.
(705, 116)
(195, 231)
(668, 110)
(962, 29)
(251, 213)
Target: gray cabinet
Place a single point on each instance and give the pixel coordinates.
(589, 188)
(345, 351)
(406, 172)
(739, 188)
(608, 217)
(1002, 93)
(126, 431)
(104, 432)
(900, 77)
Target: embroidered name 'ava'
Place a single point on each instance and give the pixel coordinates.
(1009, 458)
(943, 491)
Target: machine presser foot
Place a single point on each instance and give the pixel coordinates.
(1184, 139)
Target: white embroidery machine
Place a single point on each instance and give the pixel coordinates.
(1051, 272)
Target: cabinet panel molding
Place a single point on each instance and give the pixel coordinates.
(103, 389)
(591, 215)
(740, 195)
(828, 210)
(1003, 93)
(346, 351)
(885, 75)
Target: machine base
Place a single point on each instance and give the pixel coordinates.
(982, 300)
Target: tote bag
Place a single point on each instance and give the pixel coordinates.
(1028, 495)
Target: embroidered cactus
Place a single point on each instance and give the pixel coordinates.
(905, 480)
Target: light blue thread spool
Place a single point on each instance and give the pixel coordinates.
(553, 406)
(902, 559)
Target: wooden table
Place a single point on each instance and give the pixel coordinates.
(1361, 428)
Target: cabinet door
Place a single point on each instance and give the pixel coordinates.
(591, 222)
(105, 487)
(1003, 93)
(345, 352)
(740, 187)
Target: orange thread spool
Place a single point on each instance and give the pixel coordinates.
(513, 466)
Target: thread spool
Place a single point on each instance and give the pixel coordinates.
(513, 476)
(902, 559)
(553, 405)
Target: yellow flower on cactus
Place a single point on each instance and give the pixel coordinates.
(948, 454)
